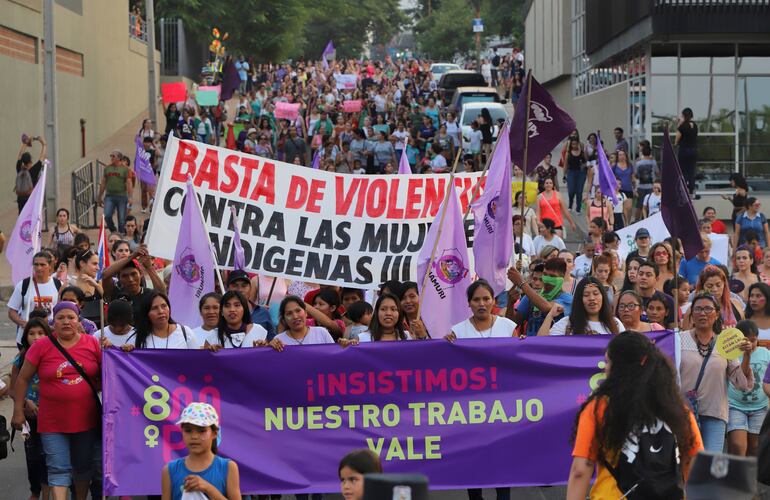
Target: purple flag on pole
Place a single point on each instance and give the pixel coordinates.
(403, 163)
(230, 81)
(607, 180)
(239, 256)
(316, 164)
(448, 276)
(493, 223)
(193, 273)
(547, 125)
(675, 204)
(328, 53)
(25, 237)
(142, 167)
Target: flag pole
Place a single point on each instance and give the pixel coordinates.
(211, 248)
(449, 188)
(101, 298)
(526, 146)
(477, 187)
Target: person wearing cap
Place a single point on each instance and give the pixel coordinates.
(643, 244)
(692, 268)
(114, 190)
(250, 144)
(130, 271)
(202, 471)
(68, 413)
(239, 281)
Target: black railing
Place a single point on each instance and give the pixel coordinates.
(85, 183)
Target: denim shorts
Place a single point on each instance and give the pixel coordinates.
(750, 421)
(70, 457)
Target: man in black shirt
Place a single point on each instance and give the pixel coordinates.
(24, 166)
(130, 271)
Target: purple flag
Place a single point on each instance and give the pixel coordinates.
(328, 53)
(547, 125)
(193, 272)
(443, 274)
(230, 81)
(675, 204)
(493, 224)
(316, 164)
(239, 256)
(142, 167)
(430, 407)
(403, 163)
(607, 181)
(25, 237)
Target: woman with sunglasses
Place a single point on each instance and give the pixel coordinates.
(704, 372)
(661, 254)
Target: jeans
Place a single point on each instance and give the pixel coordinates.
(69, 457)
(33, 449)
(576, 179)
(111, 202)
(502, 494)
(712, 431)
(687, 158)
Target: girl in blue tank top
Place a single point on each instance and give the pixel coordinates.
(202, 473)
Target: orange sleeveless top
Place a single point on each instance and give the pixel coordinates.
(550, 208)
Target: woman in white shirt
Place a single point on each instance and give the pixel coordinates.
(591, 313)
(293, 315)
(208, 307)
(235, 329)
(120, 315)
(387, 322)
(156, 330)
(483, 323)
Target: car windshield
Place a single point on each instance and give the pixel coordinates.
(476, 98)
(472, 114)
(442, 68)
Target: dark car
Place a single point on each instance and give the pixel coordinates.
(459, 78)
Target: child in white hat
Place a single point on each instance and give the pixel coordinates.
(202, 474)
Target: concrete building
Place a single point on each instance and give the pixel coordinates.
(637, 63)
(101, 72)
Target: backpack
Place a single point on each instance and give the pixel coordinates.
(25, 286)
(24, 184)
(496, 60)
(648, 465)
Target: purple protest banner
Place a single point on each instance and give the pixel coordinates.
(467, 414)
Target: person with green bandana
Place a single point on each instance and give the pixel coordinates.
(534, 305)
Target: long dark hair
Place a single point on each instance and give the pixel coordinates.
(363, 461)
(764, 288)
(640, 389)
(222, 330)
(331, 297)
(627, 285)
(374, 326)
(33, 323)
(578, 318)
(143, 325)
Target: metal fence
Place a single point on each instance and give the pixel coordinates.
(137, 27)
(85, 183)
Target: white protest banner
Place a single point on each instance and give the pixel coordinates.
(719, 247)
(300, 223)
(654, 224)
(345, 82)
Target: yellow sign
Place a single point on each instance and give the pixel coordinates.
(729, 343)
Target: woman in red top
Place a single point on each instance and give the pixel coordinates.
(550, 205)
(68, 414)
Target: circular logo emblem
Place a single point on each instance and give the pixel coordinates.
(68, 379)
(26, 231)
(450, 268)
(492, 207)
(187, 268)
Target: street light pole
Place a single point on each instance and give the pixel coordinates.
(151, 90)
(50, 117)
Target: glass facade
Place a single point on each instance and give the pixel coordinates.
(727, 86)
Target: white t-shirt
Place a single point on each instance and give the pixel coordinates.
(502, 327)
(438, 163)
(47, 298)
(582, 266)
(541, 243)
(240, 339)
(367, 336)
(652, 202)
(527, 244)
(400, 136)
(115, 339)
(475, 140)
(175, 340)
(315, 335)
(597, 328)
(453, 131)
(201, 333)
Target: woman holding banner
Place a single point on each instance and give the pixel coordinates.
(293, 314)
(629, 311)
(410, 304)
(235, 329)
(388, 321)
(640, 390)
(156, 330)
(591, 313)
(483, 323)
(704, 372)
